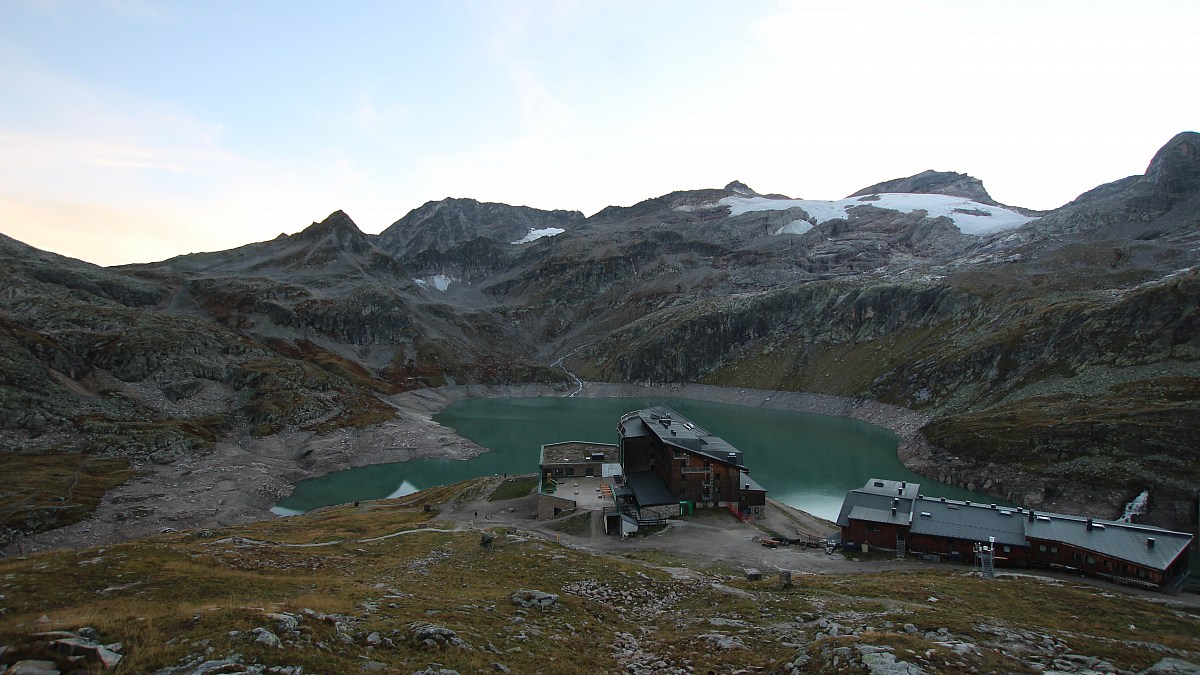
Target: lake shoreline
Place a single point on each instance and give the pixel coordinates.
(242, 478)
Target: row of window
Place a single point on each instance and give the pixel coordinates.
(570, 471)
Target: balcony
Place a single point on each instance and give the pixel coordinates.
(694, 469)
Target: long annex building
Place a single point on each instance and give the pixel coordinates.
(895, 515)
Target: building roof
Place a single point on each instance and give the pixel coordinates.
(748, 483)
(648, 489)
(1124, 541)
(938, 516)
(576, 452)
(891, 488)
(963, 520)
(878, 497)
(677, 431)
(878, 515)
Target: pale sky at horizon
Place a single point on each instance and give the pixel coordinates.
(136, 130)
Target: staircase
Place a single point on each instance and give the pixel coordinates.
(899, 547)
(987, 563)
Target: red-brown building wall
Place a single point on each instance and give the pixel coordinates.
(1050, 553)
(1007, 555)
(881, 535)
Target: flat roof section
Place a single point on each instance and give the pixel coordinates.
(574, 452)
(648, 489)
(891, 488)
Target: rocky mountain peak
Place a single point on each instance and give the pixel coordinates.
(337, 231)
(738, 187)
(934, 182)
(440, 225)
(336, 222)
(1175, 168)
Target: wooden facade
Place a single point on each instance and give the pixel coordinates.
(892, 515)
(694, 466)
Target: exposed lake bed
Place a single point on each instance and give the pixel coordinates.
(240, 480)
(805, 460)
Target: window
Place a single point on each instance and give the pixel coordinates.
(1076, 556)
(1008, 549)
(1041, 548)
(570, 471)
(1054, 550)
(591, 471)
(1091, 560)
(558, 471)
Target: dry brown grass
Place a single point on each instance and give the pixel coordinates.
(163, 597)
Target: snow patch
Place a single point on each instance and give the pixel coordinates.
(534, 235)
(285, 512)
(403, 490)
(970, 217)
(795, 227)
(438, 282)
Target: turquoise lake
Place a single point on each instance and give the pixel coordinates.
(804, 460)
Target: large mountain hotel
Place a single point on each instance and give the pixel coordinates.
(665, 465)
(895, 515)
(668, 460)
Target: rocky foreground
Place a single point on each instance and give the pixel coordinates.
(421, 585)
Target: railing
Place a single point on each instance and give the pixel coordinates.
(694, 469)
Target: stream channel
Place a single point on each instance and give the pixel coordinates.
(804, 460)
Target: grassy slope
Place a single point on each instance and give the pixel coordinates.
(171, 597)
(42, 492)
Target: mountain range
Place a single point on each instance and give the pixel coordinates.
(1057, 349)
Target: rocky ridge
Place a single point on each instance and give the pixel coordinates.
(1061, 353)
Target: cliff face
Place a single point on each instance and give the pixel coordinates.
(1056, 353)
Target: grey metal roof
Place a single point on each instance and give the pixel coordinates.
(879, 496)
(973, 522)
(1011, 526)
(891, 488)
(632, 425)
(676, 430)
(878, 515)
(649, 489)
(748, 483)
(1125, 541)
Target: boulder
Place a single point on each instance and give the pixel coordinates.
(1170, 666)
(32, 667)
(266, 637)
(89, 649)
(532, 599)
(433, 636)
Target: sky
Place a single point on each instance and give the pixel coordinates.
(136, 130)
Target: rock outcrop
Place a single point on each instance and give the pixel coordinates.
(934, 182)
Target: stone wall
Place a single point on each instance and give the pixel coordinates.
(548, 503)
